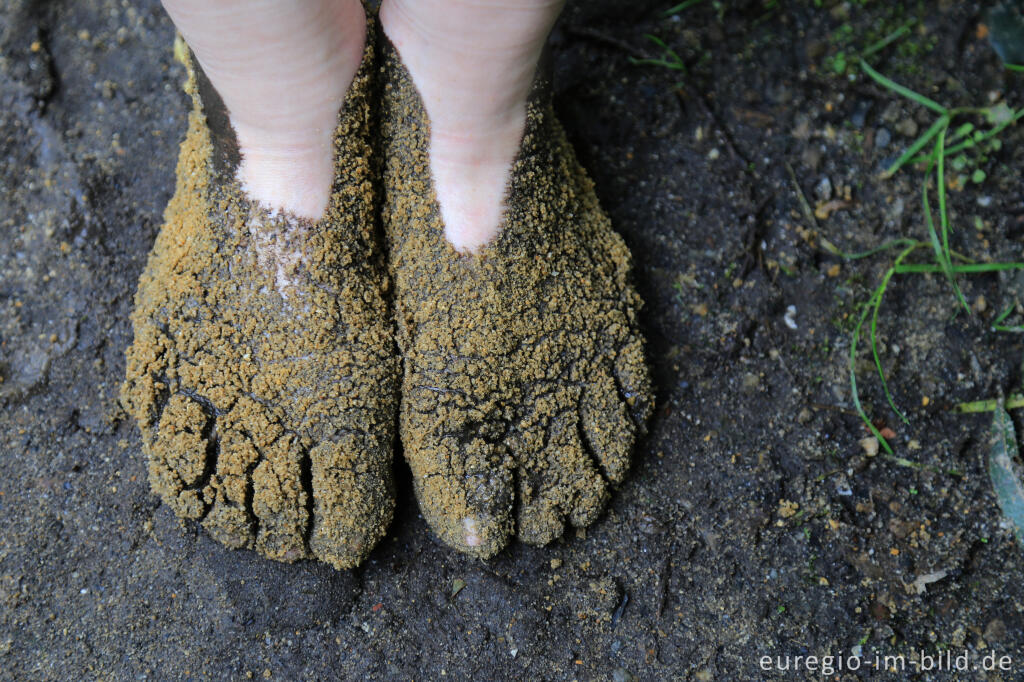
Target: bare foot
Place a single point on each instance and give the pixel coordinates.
(263, 373)
(525, 384)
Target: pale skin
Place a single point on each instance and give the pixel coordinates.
(282, 68)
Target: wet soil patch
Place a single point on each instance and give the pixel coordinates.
(753, 523)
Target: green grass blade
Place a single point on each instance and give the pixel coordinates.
(933, 235)
(1012, 402)
(873, 336)
(970, 269)
(853, 383)
(888, 40)
(871, 305)
(895, 243)
(940, 249)
(992, 132)
(940, 171)
(905, 91)
(687, 4)
(874, 329)
(919, 144)
(668, 59)
(1003, 315)
(940, 174)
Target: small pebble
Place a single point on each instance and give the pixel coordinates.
(882, 138)
(907, 127)
(823, 190)
(859, 115)
(790, 317)
(622, 675)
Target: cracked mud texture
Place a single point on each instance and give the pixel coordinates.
(750, 524)
(525, 382)
(263, 372)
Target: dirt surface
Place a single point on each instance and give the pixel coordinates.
(753, 523)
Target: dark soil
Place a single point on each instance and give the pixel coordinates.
(753, 523)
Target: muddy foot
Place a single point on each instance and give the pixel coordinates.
(525, 384)
(263, 374)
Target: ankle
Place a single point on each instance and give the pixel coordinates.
(293, 179)
(283, 71)
(473, 63)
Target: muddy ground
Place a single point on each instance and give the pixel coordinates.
(754, 523)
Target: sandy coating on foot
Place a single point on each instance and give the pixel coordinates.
(263, 373)
(525, 385)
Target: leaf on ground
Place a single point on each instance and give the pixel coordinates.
(1006, 32)
(1005, 473)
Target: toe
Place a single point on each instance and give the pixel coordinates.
(608, 430)
(561, 483)
(230, 520)
(179, 458)
(279, 501)
(353, 498)
(464, 489)
(634, 381)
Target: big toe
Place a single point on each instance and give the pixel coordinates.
(465, 491)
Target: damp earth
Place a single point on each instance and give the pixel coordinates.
(754, 521)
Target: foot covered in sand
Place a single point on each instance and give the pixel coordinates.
(263, 374)
(525, 385)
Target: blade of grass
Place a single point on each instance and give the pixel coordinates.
(836, 251)
(992, 132)
(904, 462)
(905, 91)
(687, 4)
(998, 326)
(941, 253)
(669, 58)
(913, 149)
(971, 269)
(873, 303)
(853, 382)
(1012, 402)
(933, 236)
(888, 40)
(874, 331)
(1003, 315)
(940, 156)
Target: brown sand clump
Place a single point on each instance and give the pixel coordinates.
(525, 385)
(263, 374)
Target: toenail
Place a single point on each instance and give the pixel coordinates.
(471, 526)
